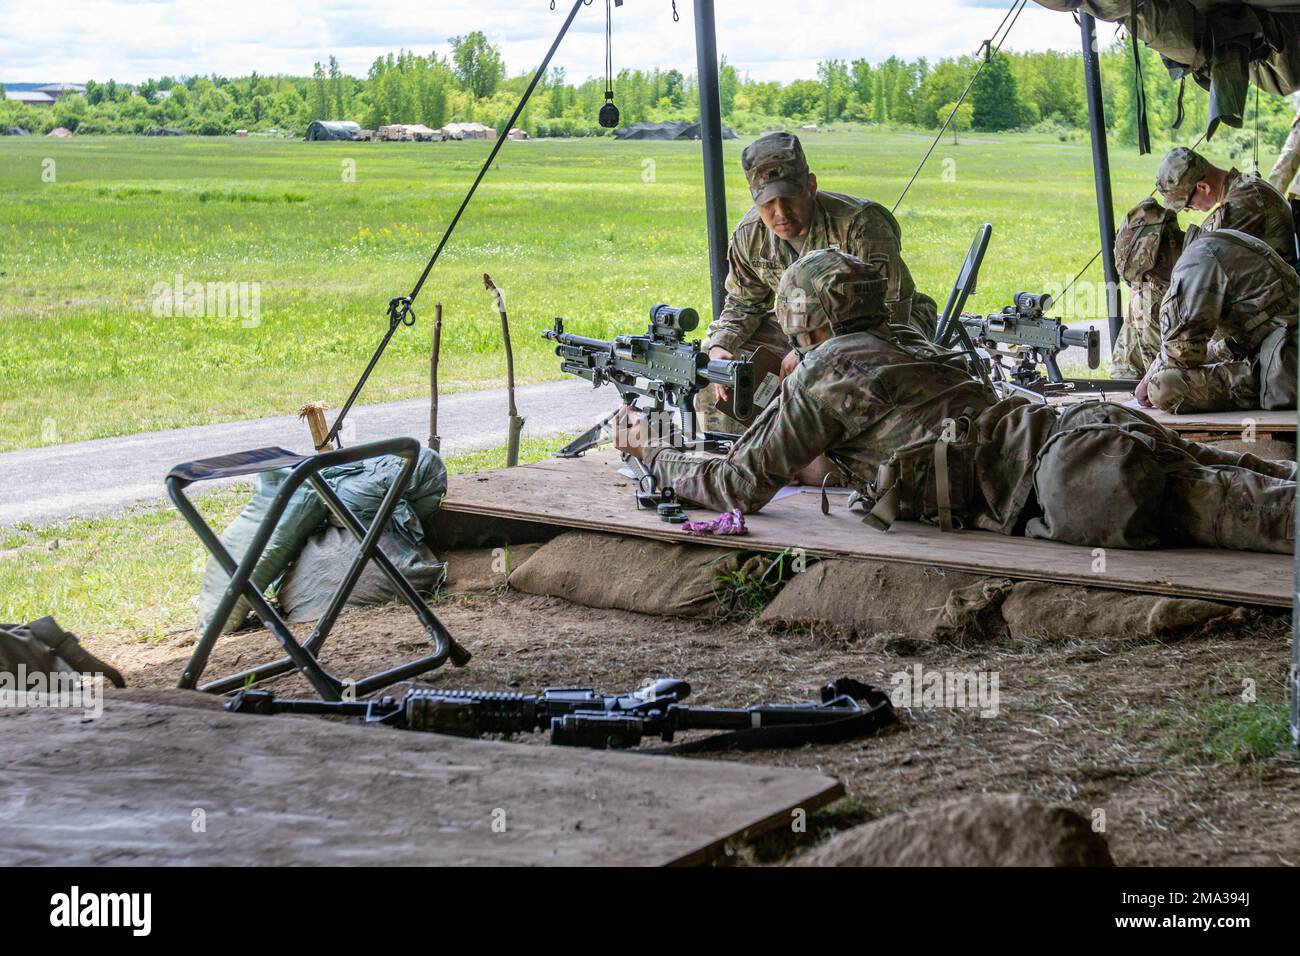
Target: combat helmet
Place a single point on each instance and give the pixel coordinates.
(831, 287)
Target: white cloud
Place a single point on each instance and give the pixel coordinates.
(131, 40)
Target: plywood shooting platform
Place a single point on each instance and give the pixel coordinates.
(291, 790)
(1226, 425)
(588, 493)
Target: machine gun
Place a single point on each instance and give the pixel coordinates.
(660, 365)
(580, 717)
(1034, 339)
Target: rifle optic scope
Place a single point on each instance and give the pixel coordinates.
(681, 320)
(1032, 303)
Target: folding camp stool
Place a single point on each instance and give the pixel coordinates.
(305, 468)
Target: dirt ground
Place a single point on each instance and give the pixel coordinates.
(1107, 725)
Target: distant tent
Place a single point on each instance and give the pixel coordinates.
(17, 131)
(332, 129)
(60, 132)
(164, 131)
(517, 134)
(407, 132)
(468, 131)
(678, 130)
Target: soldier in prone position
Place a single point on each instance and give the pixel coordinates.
(791, 217)
(919, 438)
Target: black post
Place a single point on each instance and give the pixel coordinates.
(715, 188)
(1294, 682)
(1101, 171)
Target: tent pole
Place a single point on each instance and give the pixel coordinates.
(1101, 170)
(715, 189)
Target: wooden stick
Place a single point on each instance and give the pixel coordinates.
(516, 423)
(435, 440)
(314, 412)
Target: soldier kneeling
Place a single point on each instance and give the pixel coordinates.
(919, 438)
(1227, 329)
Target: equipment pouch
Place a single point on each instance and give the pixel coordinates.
(1277, 369)
(931, 480)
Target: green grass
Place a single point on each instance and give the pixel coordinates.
(566, 227)
(137, 575)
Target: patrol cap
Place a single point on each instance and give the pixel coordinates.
(1147, 226)
(1179, 172)
(830, 287)
(775, 166)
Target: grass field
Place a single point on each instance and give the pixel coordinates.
(595, 231)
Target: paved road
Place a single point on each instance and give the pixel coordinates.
(41, 485)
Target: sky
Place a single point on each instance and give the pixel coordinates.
(132, 40)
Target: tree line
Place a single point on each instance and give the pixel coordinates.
(1043, 91)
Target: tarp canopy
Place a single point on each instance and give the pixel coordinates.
(1223, 46)
(332, 129)
(666, 130)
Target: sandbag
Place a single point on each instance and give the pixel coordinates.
(42, 647)
(483, 569)
(302, 517)
(863, 598)
(307, 589)
(987, 830)
(1040, 609)
(361, 486)
(630, 574)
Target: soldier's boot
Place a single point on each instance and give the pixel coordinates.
(1225, 507)
(710, 418)
(1221, 387)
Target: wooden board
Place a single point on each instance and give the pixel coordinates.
(589, 493)
(127, 787)
(1229, 424)
(1211, 424)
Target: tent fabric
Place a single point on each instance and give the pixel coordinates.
(1224, 47)
(332, 129)
(664, 131)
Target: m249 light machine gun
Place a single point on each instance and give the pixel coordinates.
(660, 365)
(1033, 338)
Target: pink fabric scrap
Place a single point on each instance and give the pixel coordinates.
(729, 522)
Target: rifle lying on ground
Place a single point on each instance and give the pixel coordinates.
(660, 365)
(580, 717)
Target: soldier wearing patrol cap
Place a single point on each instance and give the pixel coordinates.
(1245, 202)
(791, 217)
(1146, 248)
(919, 438)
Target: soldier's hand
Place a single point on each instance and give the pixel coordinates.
(631, 432)
(789, 363)
(719, 354)
(1140, 393)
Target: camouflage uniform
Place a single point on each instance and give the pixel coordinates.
(775, 166)
(1148, 230)
(1227, 329)
(1250, 204)
(920, 439)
